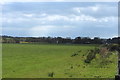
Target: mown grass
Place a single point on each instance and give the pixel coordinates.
(41, 60)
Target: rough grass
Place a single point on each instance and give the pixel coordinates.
(46, 60)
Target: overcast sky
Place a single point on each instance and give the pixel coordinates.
(64, 19)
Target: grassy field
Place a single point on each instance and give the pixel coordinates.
(42, 60)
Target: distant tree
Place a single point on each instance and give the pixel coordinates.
(86, 40)
(60, 40)
(77, 40)
(97, 40)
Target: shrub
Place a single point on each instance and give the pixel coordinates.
(104, 52)
(51, 74)
(91, 55)
(113, 47)
(75, 54)
(96, 50)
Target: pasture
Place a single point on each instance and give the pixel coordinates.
(52, 60)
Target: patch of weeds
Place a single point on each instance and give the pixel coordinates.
(51, 74)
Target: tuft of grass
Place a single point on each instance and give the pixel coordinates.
(51, 74)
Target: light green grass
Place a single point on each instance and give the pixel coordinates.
(37, 60)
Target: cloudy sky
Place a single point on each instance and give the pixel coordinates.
(64, 19)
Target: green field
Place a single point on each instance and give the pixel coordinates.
(40, 60)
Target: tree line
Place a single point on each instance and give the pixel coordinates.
(59, 40)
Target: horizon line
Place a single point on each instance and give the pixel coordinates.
(63, 37)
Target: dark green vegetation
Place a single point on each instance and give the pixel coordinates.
(59, 40)
(57, 61)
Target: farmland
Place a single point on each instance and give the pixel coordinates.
(54, 60)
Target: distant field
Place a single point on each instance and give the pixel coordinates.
(42, 60)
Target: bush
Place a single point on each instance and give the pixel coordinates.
(91, 55)
(96, 50)
(113, 47)
(75, 54)
(51, 74)
(104, 52)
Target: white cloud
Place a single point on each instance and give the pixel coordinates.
(90, 8)
(77, 9)
(44, 18)
(48, 30)
(75, 20)
(95, 8)
(44, 30)
(82, 18)
(40, 30)
(43, 14)
(108, 19)
(28, 15)
(14, 20)
(55, 17)
(115, 36)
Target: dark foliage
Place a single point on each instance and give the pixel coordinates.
(113, 47)
(91, 55)
(75, 54)
(59, 40)
(51, 74)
